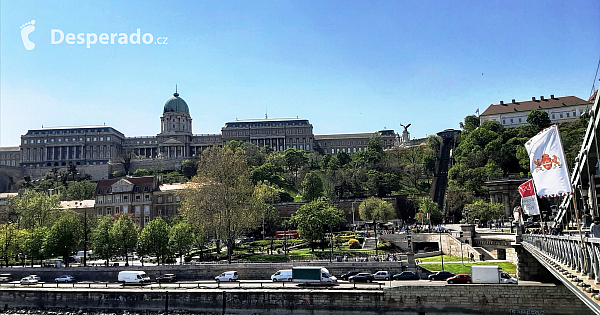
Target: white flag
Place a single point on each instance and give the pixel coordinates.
(547, 161)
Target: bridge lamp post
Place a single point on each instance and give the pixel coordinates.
(441, 251)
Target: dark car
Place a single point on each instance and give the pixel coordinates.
(362, 277)
(405, 275)
(459, 278)
(348, 275)
(440, 275)
(167, 277)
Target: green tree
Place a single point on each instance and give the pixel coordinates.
(471, 123)
(295, 160)
(312, 186)
(35, 243)
(8, 239)
(80, 191)
(154, 239)
(34, 209)
(483, 211)
(181, 238)
(141, 172)
(343, 158)
(376, 210)
(220, 198)
(173, 177)
(427, 205)
(189, 168)
(64, 236)
(124, 234)
(539, 119)
(102, 243)
(268, 172)
(265, 196)
(311, 218)
(374, 152)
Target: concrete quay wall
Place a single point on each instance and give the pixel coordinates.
(248, 271)
(459, 299)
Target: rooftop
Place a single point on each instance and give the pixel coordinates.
(75, 204)
(541, 103)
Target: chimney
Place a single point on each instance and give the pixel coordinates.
(552, 96)
(533, 98)
(542, 97)
(501, 102)
(513, 101)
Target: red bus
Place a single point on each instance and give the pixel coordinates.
(286, 234)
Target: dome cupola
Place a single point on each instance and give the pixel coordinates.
(176, 104)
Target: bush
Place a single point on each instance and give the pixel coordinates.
(384, 246)
(354, 244)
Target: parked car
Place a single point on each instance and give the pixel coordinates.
(440, 275)
(29, 280)
(460, 278)
(362, 277)
(65, 278)
(167, 277)
(382, 275)
(5, 277)
(405, 275)
(348, 275)
(227, 276)
(36, 277)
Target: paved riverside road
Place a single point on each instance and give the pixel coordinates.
(244, 284)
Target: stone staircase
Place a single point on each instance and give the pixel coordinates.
(369, 243)
(484, 253)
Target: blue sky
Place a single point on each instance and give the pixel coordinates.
(347, 66)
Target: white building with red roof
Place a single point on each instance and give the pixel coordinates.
(514, 114)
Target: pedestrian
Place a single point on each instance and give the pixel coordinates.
(595, 228)
(472, 257)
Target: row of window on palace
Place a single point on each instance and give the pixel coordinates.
(266, 132)
(53, 132)
(92, 152)
(137, 198)
(66, 139)
(553, 116)
(345, 143)
(280, 124)
(138, 211)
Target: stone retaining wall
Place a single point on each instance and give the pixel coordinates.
(442, 299)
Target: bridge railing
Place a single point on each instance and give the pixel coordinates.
(568, 250)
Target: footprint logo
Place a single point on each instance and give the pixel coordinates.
(26, 29)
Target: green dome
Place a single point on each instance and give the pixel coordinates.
(176, 104)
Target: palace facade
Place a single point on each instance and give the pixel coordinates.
(51, 147)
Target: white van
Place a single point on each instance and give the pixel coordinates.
(133, 277)
(227, 276)
(282, 275)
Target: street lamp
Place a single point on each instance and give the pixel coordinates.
(84, 235)
(441, 251)
(353, 223)
(330, 242)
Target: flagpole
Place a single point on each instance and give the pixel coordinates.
(580, 235)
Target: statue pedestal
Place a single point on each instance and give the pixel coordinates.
(410, 257)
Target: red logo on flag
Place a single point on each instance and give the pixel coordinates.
(526, 189)
(547, 162)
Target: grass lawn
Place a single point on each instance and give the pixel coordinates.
(466, 268)
(446, 258)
